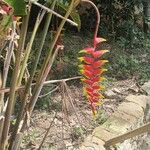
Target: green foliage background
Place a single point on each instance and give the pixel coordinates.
(122, 27)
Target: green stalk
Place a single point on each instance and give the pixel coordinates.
(46, 67)
(98, 16)
(29, 83)
(8, 60)
(14, 83)
(48, 62)
(29, 46)
(45, 30)
(31, 104)
(5, 73)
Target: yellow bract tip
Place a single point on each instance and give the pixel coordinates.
(81, 71)
(105, 61)
(105, 51)
(99, 103)
(94, 115)
(102, 79)
(104, 70)
(80, 59)
(84, 91)
(80, 66)
(82, 51)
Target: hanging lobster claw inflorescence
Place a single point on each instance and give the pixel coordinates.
(91, 68)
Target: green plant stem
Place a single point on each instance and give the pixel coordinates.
(27, 53)
(48, 62)
(32, 103)
(40, 85)
(29, 46)
(98, 16)
(14, 83)
(5, 72)
(29, 82)
(7, 64)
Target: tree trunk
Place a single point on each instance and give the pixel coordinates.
(146, 11)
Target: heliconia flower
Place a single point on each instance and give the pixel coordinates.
(98, 40)
(97, 54)
(91, 70)
(87, 50)
(87, 60)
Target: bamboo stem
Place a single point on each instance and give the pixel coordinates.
(29, 82)
(7, 63)
(7, 90)
(48, 62)
(41, 83)
(54, 13)
(14, 84)
(29, 46)
(133, 133)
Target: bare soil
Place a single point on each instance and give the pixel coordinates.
(71, 121)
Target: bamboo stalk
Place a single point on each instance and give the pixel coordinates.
(14, 84)
(1, 125)
(48, 62)
(29, 82)
(131, 134)
(54, 13)
(7, 90)
(7, 63)
(29, 46)
(40, 85)
(17, 142)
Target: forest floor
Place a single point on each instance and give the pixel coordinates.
(69, 118)
(67, 115)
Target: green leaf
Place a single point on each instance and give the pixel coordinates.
(19, 6)
(74, 14)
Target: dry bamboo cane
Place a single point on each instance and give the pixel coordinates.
(13, 85)
(29, 82)
(131, 134)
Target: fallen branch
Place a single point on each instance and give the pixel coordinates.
(46, 134)
(53, 90)
(131, 134)
(7, 90)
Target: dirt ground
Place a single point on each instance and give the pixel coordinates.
(71, 121)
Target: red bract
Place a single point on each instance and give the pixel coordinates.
(98, 40)
(6, 8)
(91, 70)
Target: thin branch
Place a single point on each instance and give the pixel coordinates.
(46, 134)
(7, 90)
(56, 88)
(53, 12)
(48, 62)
